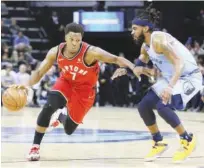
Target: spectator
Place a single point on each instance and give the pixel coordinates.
(188, 43)
(6, 52)
(196, 102)
(8, 76)
(5, 49)
(14, 28)
(21, 58)
(22, 76)
(4, 9)
(105, 89)
(55, 34)
(4, 30)
(45, 85)
(5, 59)
(197, 50)
(21, 42)
(50, 78)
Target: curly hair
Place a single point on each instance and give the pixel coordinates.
(151, 15)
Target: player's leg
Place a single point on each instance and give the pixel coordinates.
(69, 125)
(74, 112)
(169, 115)
(145, 108)
(61, 116)
(181, 97)
(55, 101)
(187, 140)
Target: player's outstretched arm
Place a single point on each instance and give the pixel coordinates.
(44, 66)
(104, 56)
(140, 62)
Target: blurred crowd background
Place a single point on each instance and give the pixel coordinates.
(30, 29)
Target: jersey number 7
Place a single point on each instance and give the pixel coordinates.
(73, 75)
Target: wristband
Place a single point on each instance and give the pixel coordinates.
(140, 63)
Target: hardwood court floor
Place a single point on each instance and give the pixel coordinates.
(109, 137)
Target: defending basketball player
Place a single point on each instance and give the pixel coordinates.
(75, 88)
(180, 80)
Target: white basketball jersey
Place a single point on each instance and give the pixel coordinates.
(164, 65)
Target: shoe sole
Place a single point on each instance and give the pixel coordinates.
(181, 161)
(185, 159)
(156, 156)
(33, 159)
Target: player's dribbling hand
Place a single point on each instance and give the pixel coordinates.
(18, 86)
(15, 86)
(28, 90)
(119, 72)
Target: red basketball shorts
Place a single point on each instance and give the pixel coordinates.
(79, 101)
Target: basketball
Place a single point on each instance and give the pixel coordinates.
(14, 99)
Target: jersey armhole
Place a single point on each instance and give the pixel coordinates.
(84, 58)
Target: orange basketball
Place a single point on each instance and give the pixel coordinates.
(14, 99)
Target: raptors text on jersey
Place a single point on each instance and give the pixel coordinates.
(75, 70)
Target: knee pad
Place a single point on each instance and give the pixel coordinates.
(166, 112)
(45, 115)
(54, 102)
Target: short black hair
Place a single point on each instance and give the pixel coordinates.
(74, 27)
(151, 15)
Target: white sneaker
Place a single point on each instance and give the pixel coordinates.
(34, 154)
(54, 122)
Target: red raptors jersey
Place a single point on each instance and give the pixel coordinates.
(75, 70)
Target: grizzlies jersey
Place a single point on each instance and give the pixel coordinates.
(161, 62)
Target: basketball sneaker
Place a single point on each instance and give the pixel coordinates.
(157, 149)
(34, 154)
(185, 150)
(54, 122)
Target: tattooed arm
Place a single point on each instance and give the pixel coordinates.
(164, 45)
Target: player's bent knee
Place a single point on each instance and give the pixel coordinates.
(148, 103)
(146, 113)
(69, 131)
(69, 126)
(143, 108)
(45, 115)
(54, 102)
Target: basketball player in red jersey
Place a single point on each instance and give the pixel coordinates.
(75, 88)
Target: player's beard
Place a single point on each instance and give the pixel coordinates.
(140, 40)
